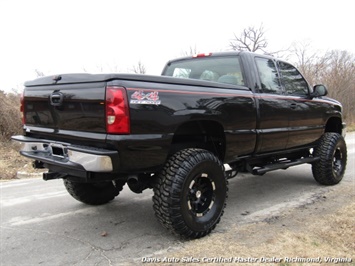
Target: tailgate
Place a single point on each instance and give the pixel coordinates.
(75, 106)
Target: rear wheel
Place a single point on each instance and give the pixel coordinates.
(330, 168)
(94, 193)
(190, 193)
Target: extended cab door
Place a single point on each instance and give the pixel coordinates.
(273, 108)
(305, 114)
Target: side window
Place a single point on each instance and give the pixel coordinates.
(181, 73)
(292, 80)
(268, 76)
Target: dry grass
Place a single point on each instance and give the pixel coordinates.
(12, 162)
(10, 116)
(350, 128)
(10, 124)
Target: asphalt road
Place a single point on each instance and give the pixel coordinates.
(42, 225)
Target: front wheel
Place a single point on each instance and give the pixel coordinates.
(190, 193)
(94, 193)
(330, 168)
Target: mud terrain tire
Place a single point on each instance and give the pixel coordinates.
(330, 168)
(190, 193)
(94, 193)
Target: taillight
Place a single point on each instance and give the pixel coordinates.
(22, 108)
(117, 111)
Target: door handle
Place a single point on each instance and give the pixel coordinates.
(56, 98)
(293, 105)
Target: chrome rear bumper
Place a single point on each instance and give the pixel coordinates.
(90, 159)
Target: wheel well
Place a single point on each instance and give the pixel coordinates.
(334, 125)
(208, 135)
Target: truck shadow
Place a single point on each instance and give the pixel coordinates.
(249, 194)
(127, 226)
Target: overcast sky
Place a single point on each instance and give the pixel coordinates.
(61, 36)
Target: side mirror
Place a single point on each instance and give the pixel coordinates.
(319, 90)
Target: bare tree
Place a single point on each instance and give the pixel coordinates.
(100, 68)
(339, 77)
(139, 68)
(312, 64)
(251, 39)
(39, 73)
(334, 69)
(191, 51)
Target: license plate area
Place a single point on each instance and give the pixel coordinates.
(59, 151)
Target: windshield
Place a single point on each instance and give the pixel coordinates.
(217, 69)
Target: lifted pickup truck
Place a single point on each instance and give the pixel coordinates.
(177, 132)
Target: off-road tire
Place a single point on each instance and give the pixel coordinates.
(190, 193)
(330, 168)
(94, 193)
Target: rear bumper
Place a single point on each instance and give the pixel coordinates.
(66, 155)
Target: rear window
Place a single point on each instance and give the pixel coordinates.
(217, 69)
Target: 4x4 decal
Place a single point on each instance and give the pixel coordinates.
(139, 97)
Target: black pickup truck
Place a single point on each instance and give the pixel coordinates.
(183, 134)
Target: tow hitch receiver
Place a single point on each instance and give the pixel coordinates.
(53, 175)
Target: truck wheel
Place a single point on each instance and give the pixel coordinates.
(94, 193)
(329, 170)
(190, 193)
